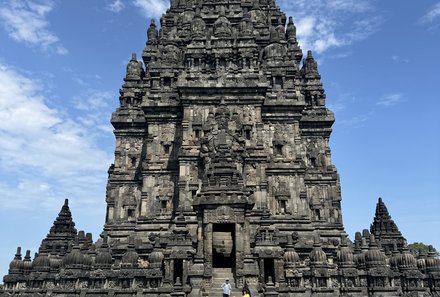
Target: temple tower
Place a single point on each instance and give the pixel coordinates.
(224, 125)
(223, 170)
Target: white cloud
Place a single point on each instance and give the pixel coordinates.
(397, 58)
(358, 120)
(390, 99)
(322, 25)
(93, 100)
(46, 155)
(152, 8)
(26, 21)
(432, 14)
(116, 6)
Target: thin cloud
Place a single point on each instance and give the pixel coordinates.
(93, 100)
(46, 155)
(390, 99)
(322, 25)
(26, 22)
(432, 14)
(116, 6)
(397, 58)
(358, 120)
(152, 8)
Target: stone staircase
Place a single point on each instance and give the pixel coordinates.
(219, 275)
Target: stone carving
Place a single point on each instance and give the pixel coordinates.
(220, 142)
(152, 34)
(222, 169)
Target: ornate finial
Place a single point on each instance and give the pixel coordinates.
(134, 69)
(66, 202)
(365, 233)
(18, 253)
(317, 240)
(310, 67)
(357, 246)
(373, 242)
(222, 11)
(291, 30)
(343, 240)
(152, 33)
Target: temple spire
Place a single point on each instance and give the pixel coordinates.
(61, 233)
(384, 228)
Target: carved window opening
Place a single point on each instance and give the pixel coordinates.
(166, 149)
(313, 161)
(351, 282)
(167, 82)
(247, 62)
(269, 269)
(315, 100)
(293, 282)
(197, 134)
(321, 282)
(163, 205)
(133, 161)
(282, 206)
(194, 193)
(197, 63)
(278, 83)
(178, 270)
(248, 134)
(279, 149)
(317, 214)
(222, 63)
(130, 213)
(125, 283)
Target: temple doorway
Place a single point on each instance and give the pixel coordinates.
(223, 246)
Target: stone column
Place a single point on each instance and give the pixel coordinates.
(185, 267)
(208, 243)
(246, 237)
(168, 277)
(200, 237)
(239, 246)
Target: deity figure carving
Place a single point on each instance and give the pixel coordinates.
(258, 17)
(198, 26)
(220, 143)
(171, 54)
(222, 27)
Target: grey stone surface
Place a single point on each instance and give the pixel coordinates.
(223, 170)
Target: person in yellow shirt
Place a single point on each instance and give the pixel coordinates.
(245, 293)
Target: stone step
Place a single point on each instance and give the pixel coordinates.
(223, 276)
(219, 292)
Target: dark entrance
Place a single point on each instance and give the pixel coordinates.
(178, 270)
(223, 246)
(269, 269)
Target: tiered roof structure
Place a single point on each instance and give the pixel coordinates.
(222, 170)
(384, 228)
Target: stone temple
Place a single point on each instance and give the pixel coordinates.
(223, 170)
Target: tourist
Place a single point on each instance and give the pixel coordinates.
(226, 288)
(245, 293)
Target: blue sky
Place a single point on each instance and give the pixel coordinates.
(62, 64)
